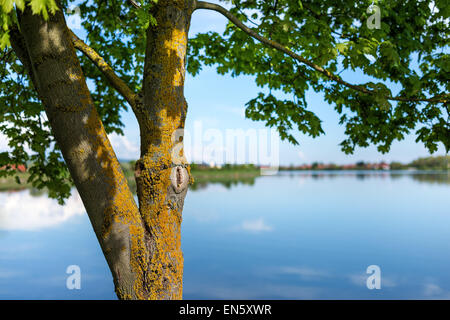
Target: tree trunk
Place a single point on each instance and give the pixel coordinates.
(141, 246)
(162, 172)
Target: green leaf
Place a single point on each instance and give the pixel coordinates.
(20, 4)
(4, 41)
(43, 7)
(7, 5)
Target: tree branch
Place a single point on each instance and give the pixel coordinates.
(328, 74)
(6, 54)
(109, 73)
(19, 47)
(134, 4)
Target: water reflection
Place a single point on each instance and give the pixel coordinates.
(417, 175)
(24, 210)
(297, 235)
(231, 181)
(31, 209)
(312, 234)
(227, 183)
(437, 178)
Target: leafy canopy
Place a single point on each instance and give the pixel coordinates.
(409, 52)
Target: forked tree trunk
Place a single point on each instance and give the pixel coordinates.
(141, 245)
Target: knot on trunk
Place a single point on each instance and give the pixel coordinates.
(139, 167)
(179, 178)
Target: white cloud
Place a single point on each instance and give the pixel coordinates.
(304, 272)
(432, 289)
(302, 155)
(256, 226)
(361, 280)
(124, 148)
(203, 215)
(4, 143)
(11, 252)
(358, 279)
(371, 58)
(259, 291)
(22, 211)
(6, 274)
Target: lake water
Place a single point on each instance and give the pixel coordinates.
(296, 235)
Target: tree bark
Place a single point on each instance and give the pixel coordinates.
(142, 246)
(78, 130)
(162, 172)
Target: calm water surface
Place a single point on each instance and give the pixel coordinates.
(297, 235)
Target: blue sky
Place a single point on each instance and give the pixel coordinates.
(217, 103)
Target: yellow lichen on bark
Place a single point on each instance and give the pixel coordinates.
(154, 230)
(164, 114)
(163, 221)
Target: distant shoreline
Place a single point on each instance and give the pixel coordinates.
(228, 174)
(365, 169)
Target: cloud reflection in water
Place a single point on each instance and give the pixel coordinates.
(23, 211)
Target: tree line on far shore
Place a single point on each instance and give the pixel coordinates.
(426, 163)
